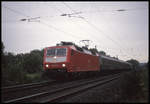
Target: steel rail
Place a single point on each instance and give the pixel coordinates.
(75, 90)
(47, 93)
(25, 86)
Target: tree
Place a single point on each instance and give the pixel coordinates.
(16, 67)
(2, 48)
(2, 54)
(102, 53)
(134, 62)
(33, 61)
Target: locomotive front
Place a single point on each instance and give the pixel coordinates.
(55, 59)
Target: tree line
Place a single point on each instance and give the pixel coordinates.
(17, 68)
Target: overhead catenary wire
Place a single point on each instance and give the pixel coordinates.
(124, 10)
(109, 23)
(42, 22)
(116, 10)
(74, 12)
(57, 29)
(92, 25)
(28, 18)
(17, 12)
(70, 19)
(54, 27)
(95, 27)
(74, 23)
(50, 26)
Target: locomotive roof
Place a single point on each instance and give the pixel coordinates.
(71, 46)
(113, 59)
(76, 47)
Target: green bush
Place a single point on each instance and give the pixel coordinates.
(21, 68)
(36, 77)
(13, 74)
(135, 86)
(143, 74)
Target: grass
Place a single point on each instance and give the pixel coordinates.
(35, 77)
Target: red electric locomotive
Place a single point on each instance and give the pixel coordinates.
(68, 58)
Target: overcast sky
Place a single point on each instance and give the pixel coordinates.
(118, 33)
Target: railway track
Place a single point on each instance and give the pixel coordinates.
(24, 86)
(61, 90)
(12, 91)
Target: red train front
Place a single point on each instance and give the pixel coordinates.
(69, 58)
(56, 58)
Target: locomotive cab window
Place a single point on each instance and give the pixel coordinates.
(56, 52)
(61, 52)
(51, 52)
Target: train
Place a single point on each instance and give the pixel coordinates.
(68, 60)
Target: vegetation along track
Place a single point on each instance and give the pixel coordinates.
(62, 90)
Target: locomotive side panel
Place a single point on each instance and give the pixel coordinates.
(83, 62)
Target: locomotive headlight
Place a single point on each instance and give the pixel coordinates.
(47, 65)
(63, 65)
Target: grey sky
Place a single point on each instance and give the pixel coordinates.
(123, 34)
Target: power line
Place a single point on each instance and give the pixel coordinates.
(22, 14)
(70, 19)
(57, 29)
(108, 22)
(79, 15)
(73, 11)
(93, 26)
(30, 20)
(98, 28)
(60, 29)
(70, 14)
(58, 9)
(17, 12)
(116, 10)
(125, 10)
